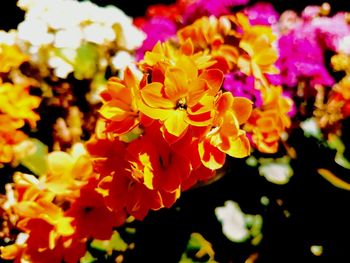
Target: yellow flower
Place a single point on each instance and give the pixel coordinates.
(18, 104)
(10, 57)
(268, 122)
(259, 52)
(185, 98)
(225, 136)
(165, 54)
(119, 109)
(214, 36)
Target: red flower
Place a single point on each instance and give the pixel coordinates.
(88, 210)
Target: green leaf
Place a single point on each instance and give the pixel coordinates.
(32, 154)
(254, 224)
(131, 135)
(115, 243)
(202, 249)
(334, 142)
(87, 258)
(86, 62)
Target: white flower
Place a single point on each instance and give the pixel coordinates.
(68, 38)
(278, 173)
(233, 222)
(22, 238)
(130, 37)
(98, 34)
(344, 45)
(34, 31)
(8, 38)
(63, 64)
(122, 59)
(311, 128)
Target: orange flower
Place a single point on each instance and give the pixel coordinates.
(8, 139)
(225, 136)
(123, 192)
(120, 104)
(269, 122)
(165, 54)
(259, 53)
(233, 42)
(67, 172)
(216, 36)
(185, 98)
(40, 203)
(43, 245)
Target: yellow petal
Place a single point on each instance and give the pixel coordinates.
(157, 114)
(10, 252)
(211, 157)
(176, 84)
(240, 147)
(60, 162)
(175, 124)
(153, 97)
(197, 89)
(188, 66)
(112, 111)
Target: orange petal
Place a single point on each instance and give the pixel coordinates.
(224, 103)
(243, 108)
(197, 89)
(152, 96)
(129, 78)
(187, 47)
(214, 78)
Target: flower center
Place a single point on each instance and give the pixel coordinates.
(88, 209)
(181, 104)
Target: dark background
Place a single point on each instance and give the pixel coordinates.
(319, 212)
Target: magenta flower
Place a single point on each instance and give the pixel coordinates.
(241, 85)
(201, 8)
(302, 57)
(156, 29)
(261, 13)
(331, 29)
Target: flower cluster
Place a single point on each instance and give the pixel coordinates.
(57, 211)
(17, 104)
(172, 127)
(104, 118)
